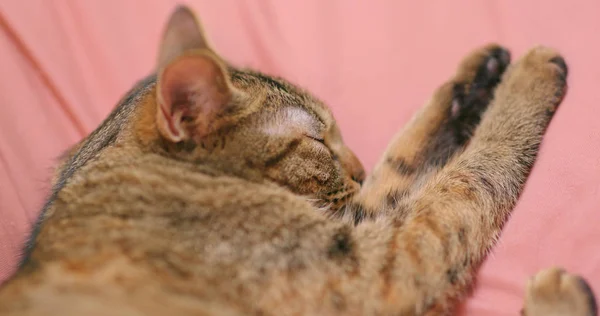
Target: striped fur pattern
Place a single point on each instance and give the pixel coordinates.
(214, 190)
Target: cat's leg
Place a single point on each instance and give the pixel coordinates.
(437, 132)
(554, 292)
(457, 216)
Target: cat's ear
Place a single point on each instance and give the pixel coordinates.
(193, 94)
(182, 33)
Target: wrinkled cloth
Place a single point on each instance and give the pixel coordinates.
(65, 64)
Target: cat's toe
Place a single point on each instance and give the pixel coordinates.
(559, 61)
(553, 291)
(477, 77)
(547, 63)
(489, 73)
(541, 74)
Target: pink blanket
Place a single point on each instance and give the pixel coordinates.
(66, 63)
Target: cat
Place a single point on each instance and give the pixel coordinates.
(214, 190)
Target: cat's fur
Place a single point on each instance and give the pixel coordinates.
(212, 190)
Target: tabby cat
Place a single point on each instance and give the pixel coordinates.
(212, 190)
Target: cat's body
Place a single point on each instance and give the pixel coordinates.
(217, 191)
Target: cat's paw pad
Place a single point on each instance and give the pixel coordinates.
(494, 64)
(555, 292)
(477, 76)
(559, 61)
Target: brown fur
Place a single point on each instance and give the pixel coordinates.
(212, 190)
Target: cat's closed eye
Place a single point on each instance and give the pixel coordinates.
(316, 138)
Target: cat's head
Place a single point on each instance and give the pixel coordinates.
(242, 122)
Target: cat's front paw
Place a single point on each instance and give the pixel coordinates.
(477, 77)
(555, 292)
(538, 78)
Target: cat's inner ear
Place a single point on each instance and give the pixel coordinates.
(183, 32)
(193, 94)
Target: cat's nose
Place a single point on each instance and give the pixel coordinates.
(354, 167)
(359, 177)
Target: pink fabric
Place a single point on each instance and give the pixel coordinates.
(66, 63)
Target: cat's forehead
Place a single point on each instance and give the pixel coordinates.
(289, 120)
(281, 93)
